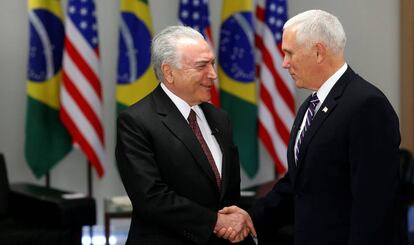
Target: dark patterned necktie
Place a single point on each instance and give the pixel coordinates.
(310, 113)
(192, 119)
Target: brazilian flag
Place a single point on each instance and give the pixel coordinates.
(136, 77)
(47, 140)
(236, 73)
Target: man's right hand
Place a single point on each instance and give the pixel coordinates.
(234, 224)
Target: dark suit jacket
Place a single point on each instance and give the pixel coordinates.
(344, 187)
(167, 176)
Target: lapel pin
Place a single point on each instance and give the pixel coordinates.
(325, 109)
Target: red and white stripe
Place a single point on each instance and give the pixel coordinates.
(81, 96)
(276, 104)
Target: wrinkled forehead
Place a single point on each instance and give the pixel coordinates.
(194, 49)
(185, 43)
(288, 38)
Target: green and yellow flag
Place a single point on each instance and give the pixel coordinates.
(136, 77)
(236, 72)
(47, 140)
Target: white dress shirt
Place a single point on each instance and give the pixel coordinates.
(322, 93)
(211, 141)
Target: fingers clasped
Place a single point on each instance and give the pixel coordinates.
(234, 224)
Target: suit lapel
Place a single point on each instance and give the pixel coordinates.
(178, 126)
(292, 167)
(323, 113)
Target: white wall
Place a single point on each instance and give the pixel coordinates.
(372, 27)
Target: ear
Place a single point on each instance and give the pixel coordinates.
(321, 52)
(167, 71)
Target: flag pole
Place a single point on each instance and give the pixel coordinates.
(89, 179)
(47, 179)
(90, 191)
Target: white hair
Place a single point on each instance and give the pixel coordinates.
(318, 26)
(164, 47)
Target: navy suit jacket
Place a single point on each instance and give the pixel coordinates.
(344, 188)
(167, 176)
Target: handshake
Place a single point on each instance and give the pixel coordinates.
(234, 224)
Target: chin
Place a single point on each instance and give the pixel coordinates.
(206, 99)
(298, 84)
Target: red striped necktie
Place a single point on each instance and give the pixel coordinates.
(192, 119)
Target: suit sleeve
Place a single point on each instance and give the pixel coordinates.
(373, 153)
(152, 200)
(273, 211)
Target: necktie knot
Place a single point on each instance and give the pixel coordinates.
(192, 117)
(313, 103)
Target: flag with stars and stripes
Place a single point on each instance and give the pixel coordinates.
(136, 78)
(46, 140)
(236, 73)
(81, 93)
(276, 103)
(194, 13)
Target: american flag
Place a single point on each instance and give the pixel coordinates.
(276, 102)
(194, 13)
(81, 93)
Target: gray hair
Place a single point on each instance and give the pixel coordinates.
(164, 47)
(318, 25)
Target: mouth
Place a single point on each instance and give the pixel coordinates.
(207, 86)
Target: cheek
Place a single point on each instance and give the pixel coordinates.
(299, 65)
(294, 64)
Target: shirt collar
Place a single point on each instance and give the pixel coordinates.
(328, 84)
(182, 106)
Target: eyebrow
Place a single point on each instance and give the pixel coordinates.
(203, 62)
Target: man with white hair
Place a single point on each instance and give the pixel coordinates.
(175, 151)
(342, 184)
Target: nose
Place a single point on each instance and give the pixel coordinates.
(212, 74)
(286, 63)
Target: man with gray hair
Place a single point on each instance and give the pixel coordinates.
(175, 152)
(342, 184)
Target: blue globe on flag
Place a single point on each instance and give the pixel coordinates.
(236, 51)
(46, 45)
(134, 53)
